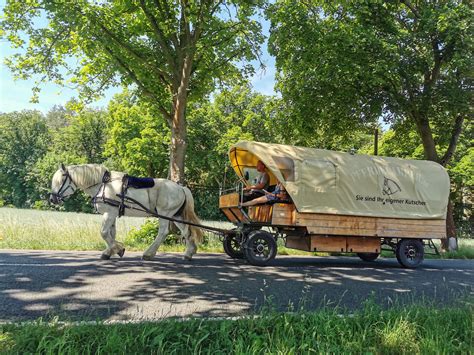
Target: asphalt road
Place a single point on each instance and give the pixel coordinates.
(77, 285)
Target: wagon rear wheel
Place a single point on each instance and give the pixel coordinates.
(232, 246)
(410, 253)
(260, 248)
(368, 256)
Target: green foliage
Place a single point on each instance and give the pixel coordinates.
(235, 114)
(169, 53)
(24, 139)
(138, 138)
(135, 43)
(147, 233)
(428, 329)
(343, 65)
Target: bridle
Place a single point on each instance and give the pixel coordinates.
(60, 194)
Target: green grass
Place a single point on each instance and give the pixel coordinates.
(48, 230)
(415, 329)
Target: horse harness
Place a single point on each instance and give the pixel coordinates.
(127, 182)
(59, 195)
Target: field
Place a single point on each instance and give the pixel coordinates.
(50, 230)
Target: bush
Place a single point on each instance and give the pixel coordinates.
(147, 234)
(206, 204)
(40, 205)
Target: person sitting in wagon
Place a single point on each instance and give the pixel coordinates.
(262, 183)
(278, 195)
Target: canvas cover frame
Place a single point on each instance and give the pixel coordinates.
(323, 181)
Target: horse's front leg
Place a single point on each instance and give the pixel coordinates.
(108, 232)
(163, 231)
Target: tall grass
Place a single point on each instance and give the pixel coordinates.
(49, 230)
(415, 329)
(32, 229)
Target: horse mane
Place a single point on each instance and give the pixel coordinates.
(86, 175)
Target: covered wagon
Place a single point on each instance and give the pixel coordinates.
(338, 202)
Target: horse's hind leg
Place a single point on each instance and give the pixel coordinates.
(191, 247)
(162, 233)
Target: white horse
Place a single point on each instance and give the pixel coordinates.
(166, 197)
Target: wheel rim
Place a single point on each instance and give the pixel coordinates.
(235, 244)
(411, 253)
(261, 248)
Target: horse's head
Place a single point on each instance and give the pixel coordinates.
(62, 186)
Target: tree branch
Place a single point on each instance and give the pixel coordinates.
(411, 7)
(137, 81)
(163, 7)
(161, 74)
(160, 37)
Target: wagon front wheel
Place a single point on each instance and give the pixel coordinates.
(232, 246)
(260, 248)
(410, 253)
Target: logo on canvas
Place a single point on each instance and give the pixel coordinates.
(390, 187)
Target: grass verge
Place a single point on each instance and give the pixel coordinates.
(49, 230)
(414, 329)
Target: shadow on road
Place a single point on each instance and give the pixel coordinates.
(79, 286)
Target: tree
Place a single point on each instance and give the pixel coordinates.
(342, 64)
(170, 50)
(24, 140)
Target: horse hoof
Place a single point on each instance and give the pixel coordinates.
(187, 258)
(105, 257)
(121, 252)
(147, 257)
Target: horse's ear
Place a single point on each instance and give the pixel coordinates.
(63, 168)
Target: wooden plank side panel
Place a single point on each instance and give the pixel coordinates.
(335, 217)
(363, 245)
(239, 214)
(229, 215)
(397, 233)
(336, 244)
(260, 213)
(300, 243)
(340, 231)
(402, 230)
(229, 200)
(283, 214)
(371, 226)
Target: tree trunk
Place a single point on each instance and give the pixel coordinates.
(178, 144)
(450, 231)
(424, 129)
(178, 124)
(429, 148)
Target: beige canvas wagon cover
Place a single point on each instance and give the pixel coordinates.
(323, 181)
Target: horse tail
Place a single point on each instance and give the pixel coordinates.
(190, 215)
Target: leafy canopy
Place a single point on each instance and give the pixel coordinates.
(96, 44)
(344, 64)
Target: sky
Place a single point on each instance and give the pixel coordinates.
(15, 95)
